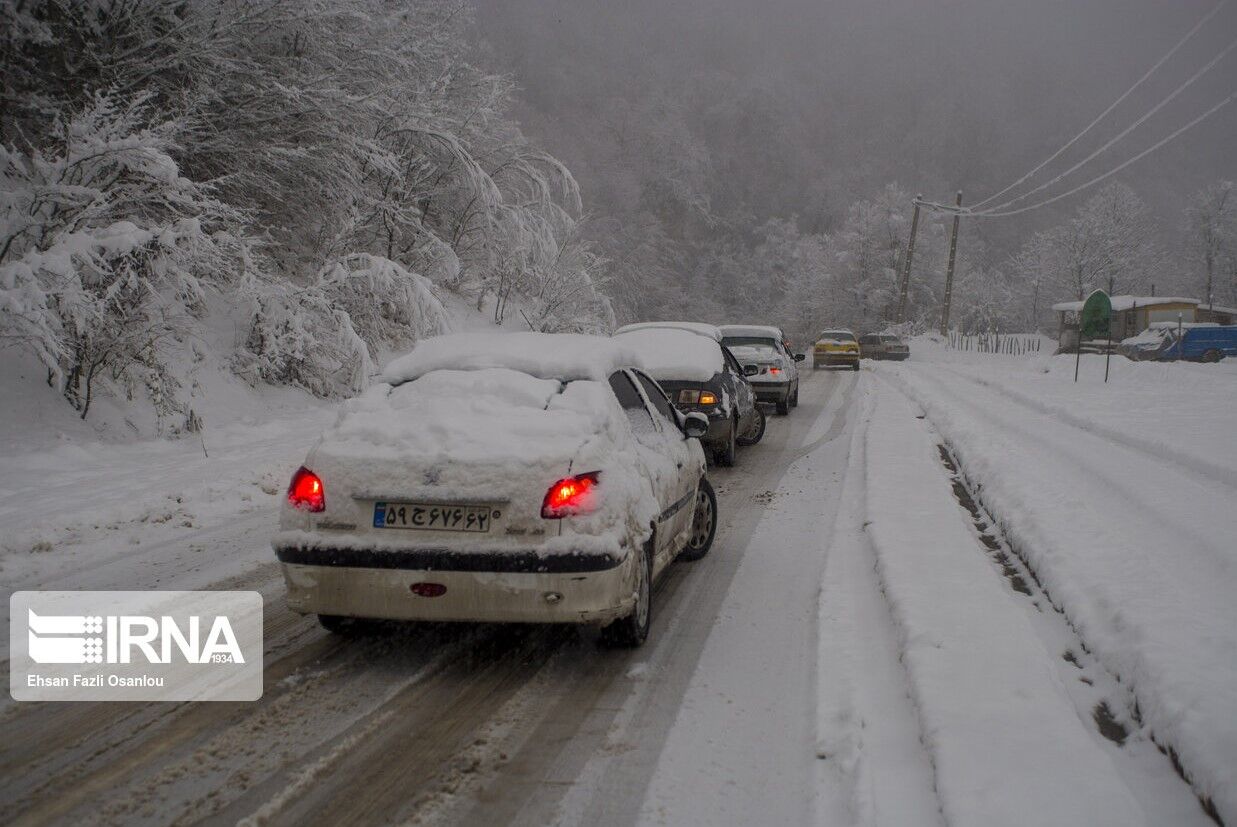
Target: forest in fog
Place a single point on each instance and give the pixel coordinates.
(732, 155)
(327, 178)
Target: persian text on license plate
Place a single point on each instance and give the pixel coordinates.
(433, 516)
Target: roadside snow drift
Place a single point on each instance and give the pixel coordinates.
(1121, 498)
(1001, 729)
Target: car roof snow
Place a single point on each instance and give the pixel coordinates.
(699, 328)
(563, 356)
(752, 330)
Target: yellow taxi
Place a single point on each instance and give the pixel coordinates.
(836, 347)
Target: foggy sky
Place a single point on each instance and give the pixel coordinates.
(935, 94)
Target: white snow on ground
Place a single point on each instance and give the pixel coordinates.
(1120, 497)
(742, 748)
(1003, 734)
(70, 502)
(869, 751)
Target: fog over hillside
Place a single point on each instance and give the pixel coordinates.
(801, 108)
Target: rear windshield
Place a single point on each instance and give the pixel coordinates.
(841, 335)
(759, 351)
(749, 341)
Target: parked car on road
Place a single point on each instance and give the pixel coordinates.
(523, 477)
(700, 375)
(883, 346)
(1195, 342)
(777, 377)
(836, 347)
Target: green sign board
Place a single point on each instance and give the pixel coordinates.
(1096, 316)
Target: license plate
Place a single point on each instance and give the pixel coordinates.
(433, 516)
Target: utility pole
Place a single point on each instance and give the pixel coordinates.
(906, 265)
(949, 273)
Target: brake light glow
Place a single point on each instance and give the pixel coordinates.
(571, 496)
(306, 491)
(688, 396)
(774, 371)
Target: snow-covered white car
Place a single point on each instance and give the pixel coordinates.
(520, 477)
(776, 378)
(701, 375)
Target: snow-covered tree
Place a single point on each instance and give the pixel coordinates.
(325, 161)
(1212, 240)
(105, 248)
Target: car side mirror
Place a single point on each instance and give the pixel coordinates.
(799, 357)
(695, 425)
(750, 370)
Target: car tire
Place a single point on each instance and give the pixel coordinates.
(783, 406)
(757, 431)
(855, 366)
(794, 397)
(631, 631)
(1212, 355)
(342, 625)
(704, 523)
(725, 455)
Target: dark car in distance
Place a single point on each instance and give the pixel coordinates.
(883, 346)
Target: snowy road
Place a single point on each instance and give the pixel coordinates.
(486, 724)
(861, 646)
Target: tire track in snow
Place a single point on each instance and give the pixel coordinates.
(869, 736)
(1134, 506)
(221, 762)
(592, 755)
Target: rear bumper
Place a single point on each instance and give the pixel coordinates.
(501, 587)
(835, 358)
(771, 391)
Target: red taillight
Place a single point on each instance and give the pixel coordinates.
(774, 371)
(428, 589)
(306, 490)
(573, 495)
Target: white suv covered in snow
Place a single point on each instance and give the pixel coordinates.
(522, 477)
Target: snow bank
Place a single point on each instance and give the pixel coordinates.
(560, 356)
(1121, 498)
(1180, 412)
(1004, 735)
(673, 355)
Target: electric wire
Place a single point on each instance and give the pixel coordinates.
(1211, 64)
(1000, 214)
(1155, 67)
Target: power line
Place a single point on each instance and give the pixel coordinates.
(1171, 96)
(1114, 170)
(1111, 107)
